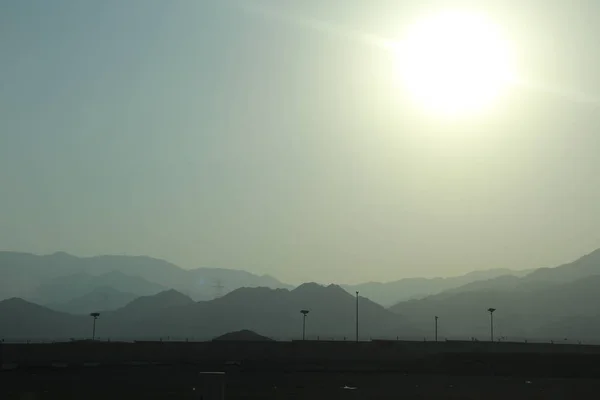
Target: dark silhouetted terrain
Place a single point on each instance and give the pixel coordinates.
(243, 336)
(270, 312)
(555, 303)
(20, 319)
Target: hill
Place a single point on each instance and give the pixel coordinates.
(542, 303)
(390, 293)
(272, 312)
(522, 312)
(242, 336)
(147, 306)
(60, 277)
(20, 319)
(103, 298)
(586, 266)
(276, 313)
(69, 288)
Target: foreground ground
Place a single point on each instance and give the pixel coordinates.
(185, 382)
(298, 370)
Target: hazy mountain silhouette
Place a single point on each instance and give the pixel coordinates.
(103, 298)
(586, 266)
(556, 311)
(552, 302)
(147, 306)
(71, 287)
(506, 282)
(205, 279)
(38, 278)
(332, 313)
(527, 311)
(20, 319)
(549, 302)
(270, 312)
(22, 273)
(390, 293)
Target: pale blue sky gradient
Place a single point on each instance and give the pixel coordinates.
(209, 134)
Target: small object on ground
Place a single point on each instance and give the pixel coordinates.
(346, 387)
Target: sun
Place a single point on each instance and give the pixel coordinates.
(455, 63)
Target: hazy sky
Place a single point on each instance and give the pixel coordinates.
(278, 141)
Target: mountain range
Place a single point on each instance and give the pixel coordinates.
(390, 293)
(550, 303)
(79, 284)
(104, 298)
(273, 313)
(61, 280)
(547, 303)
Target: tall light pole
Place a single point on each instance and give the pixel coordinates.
(356, 316)
(491, 311)
(436, 329)
(304, 313)
(94, 315)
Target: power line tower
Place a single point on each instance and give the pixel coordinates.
(218, 286)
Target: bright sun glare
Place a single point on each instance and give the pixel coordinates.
(455, 63)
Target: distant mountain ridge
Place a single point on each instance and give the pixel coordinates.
(103, 298)
(390, 293)
(583, 267)
(60, 277)
(544, 303)
(76, 285)
(273, 313)
(64, 288)
(559, 303)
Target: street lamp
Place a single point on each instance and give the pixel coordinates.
(304, 313)
(491, 311)
(356, 316)
(94, 315)
(436, 327)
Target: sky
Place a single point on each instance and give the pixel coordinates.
(272, 136)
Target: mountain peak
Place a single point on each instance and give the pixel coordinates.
(312, 287)
(170, 296)
(19, 305)
(14, 301)
(308, 286)
(165, 299)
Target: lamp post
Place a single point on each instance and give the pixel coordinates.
(356, 316)
(491, 311)
(436, 327)
(304, 313)
(94, 315)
